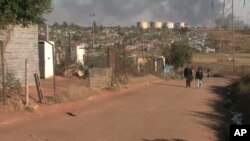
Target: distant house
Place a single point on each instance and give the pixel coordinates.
(23, 44)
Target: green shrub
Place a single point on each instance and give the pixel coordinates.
(181, 53)
(244, 86)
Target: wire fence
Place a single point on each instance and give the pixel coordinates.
(124, 63)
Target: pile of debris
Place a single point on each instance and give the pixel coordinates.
(74, 70)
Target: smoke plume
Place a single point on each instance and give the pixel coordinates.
(128, 12)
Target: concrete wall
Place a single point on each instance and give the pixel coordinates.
(100, 61)
(23, 45)
(100, 78)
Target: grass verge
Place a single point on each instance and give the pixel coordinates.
(74, 93)
(237, 105)
(239, 95)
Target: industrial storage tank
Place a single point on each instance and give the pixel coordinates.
(181, 25)
(170, 25)
(156, 24)
(142, 25)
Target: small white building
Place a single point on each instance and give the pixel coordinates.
(46, 59)
(78, 53)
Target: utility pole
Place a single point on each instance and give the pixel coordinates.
(221, 23)
(93, 15)
(143, 44)
(233, 36)
(69, 51)
(93, 33)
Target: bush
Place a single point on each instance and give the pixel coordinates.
(241, 97)
(1, 96)
(172, 76)
(13, 85)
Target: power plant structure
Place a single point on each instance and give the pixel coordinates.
(160, 25)
(143, 25)
(156, 25)
(181, 25)
(169, 25)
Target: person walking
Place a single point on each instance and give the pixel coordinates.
(188, 74)
(199, 77)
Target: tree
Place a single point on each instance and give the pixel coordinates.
(65, 24)
(184, 31)
(180, 54)
(23, 12)
(101, 28)
(96, 28)
(166, 52)
(55, 25)
(20, 12)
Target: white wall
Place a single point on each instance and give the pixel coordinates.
(77, 53)
(80, 51)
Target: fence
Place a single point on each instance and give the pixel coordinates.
(122, 63)
(131, 63)
(2, 74)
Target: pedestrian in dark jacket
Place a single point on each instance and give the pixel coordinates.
(188, 74)
(199, 77)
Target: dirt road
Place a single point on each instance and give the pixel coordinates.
(162, 111)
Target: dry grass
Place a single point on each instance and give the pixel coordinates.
(240, 58)
(74, 93)
(1, 97)
(242, 41)
(15, 103)
(144, 79)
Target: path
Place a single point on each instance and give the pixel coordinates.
(162, 111)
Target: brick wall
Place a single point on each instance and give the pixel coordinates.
(23, 45)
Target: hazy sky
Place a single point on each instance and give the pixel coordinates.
(128, 12)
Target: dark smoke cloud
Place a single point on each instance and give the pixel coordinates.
(128, 12)
(195, 12)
